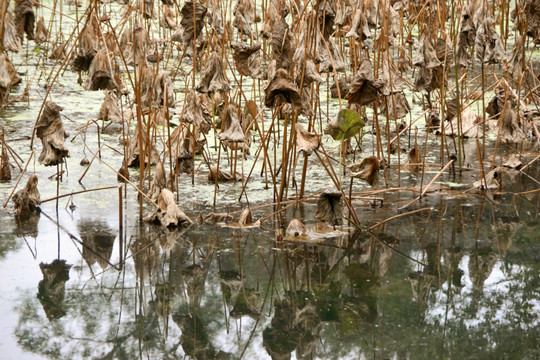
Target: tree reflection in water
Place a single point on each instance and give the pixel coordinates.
(414, 288)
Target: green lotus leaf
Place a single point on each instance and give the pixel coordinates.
(348, 123)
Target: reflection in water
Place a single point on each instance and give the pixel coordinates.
(163, 300)
(27, 225)
(295, 326)
(98, 241)
(224, 293)
(320, 291)
(52, 289)
(145, 253)
(245, 304)
(481, 263)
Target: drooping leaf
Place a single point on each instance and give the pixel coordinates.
(296, 228)
(306, 141)
(365, 88)
(367, 169)
(329, 207)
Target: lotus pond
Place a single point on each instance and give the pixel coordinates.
(237, 204)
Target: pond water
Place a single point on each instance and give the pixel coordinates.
(457, 279)
(460, 283)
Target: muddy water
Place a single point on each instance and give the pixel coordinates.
(459, 280)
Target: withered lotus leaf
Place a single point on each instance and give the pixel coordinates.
(393, 83)
(296, 228)
(216, 20)
(306, 141)
(451, 108)
(282, 86)
(426, 55)
(12, 42)
(5, 166)
(467, 36)
(189, 21)
(27, 199)
(329, 57)
(343, 14)
(251, 109)
(197, 112)
(8, 77)
(213, 78)
(58, 52)
(489, 182)
(249, 9)
(500, 100)
(397, 106)
(430, 61)
(242, 24)
(134, 44)
(168, 214)
(365, 87)
(133, 151)
(247, 59)
(343, 88)
(488, 46)
(24, 18)
(234, 132)
(222, 176)
(245, 14)
(50, 129)
(82, 61)
(88, 45)
(367, 169)
(510, 130)
(414, 161)
(109, 110)
(330, 208)
(164, 92)
(214, 218)
(433, 121)
(359, 27)
(178, 35)
(100, 74)
(306, 106)
(282, 44)
(41, 32)
(122, 174)
(246, 217)
(182, 145)
(272, 17)
(513, 162)
(159, 182)
(469, 125)
(156, 91)
(515, 64)
(327, 16)
(305, 69)
(531, 11)
(168, 18)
